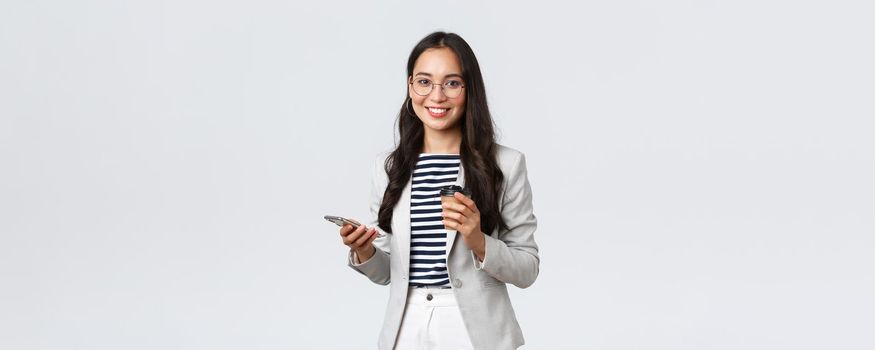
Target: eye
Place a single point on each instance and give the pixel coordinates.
(454, 84)
(423, 82)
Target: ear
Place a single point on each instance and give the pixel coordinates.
(410, 87)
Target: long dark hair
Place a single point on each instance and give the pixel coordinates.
(478, 148)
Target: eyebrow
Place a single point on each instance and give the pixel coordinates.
(451, 75)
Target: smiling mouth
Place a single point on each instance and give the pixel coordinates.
(437, 112)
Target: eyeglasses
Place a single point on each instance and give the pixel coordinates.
(452, 88)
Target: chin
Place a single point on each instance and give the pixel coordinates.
(441, 126)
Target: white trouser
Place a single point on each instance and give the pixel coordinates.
(432, 324)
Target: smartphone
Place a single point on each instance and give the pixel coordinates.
(340, 221)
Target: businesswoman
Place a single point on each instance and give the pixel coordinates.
(448, 265)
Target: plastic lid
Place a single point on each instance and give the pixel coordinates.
(451, 190)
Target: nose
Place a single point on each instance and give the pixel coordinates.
(437, 93)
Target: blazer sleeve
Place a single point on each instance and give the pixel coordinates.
(377, 267)
(512, 254)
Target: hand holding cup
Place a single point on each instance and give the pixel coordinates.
(461, 215)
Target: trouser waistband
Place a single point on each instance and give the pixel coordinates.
(431, 297)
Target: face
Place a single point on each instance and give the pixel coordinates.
(437, 111)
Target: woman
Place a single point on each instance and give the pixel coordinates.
(447, 265)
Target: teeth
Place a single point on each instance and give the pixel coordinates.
(437, 110)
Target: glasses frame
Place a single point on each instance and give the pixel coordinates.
(431, 88)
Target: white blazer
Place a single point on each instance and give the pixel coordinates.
(480, 288)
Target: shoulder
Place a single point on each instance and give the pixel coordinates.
(509, 159)
(380, 160)
(512, 163)
(378, 168)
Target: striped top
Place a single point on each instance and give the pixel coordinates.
(428, 238)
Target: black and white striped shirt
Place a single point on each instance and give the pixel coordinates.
(428, 238)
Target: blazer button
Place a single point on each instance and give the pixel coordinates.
(429, 297)
(457, 283)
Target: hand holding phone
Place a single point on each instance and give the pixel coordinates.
(340, 221)
(357, 237)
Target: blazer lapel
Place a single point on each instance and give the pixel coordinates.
(460, 181)
(401, 225)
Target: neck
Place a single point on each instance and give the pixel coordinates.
(442, 141)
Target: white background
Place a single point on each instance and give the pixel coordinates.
(702, 170)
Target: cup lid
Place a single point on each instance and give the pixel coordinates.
(451, 190)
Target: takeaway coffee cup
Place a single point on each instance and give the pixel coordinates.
(447, 196)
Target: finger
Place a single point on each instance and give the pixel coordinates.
(360, 242)
(451, 224)
(466, 201)
(455, 206)
(373, 238)
(354, 235)
(346, 229)
(456, 216)
(458, 208)
(350, 228)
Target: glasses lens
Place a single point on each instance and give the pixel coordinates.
(452, 91)
(422, 86)
(452, 88)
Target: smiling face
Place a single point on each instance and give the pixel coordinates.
(438, 112)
